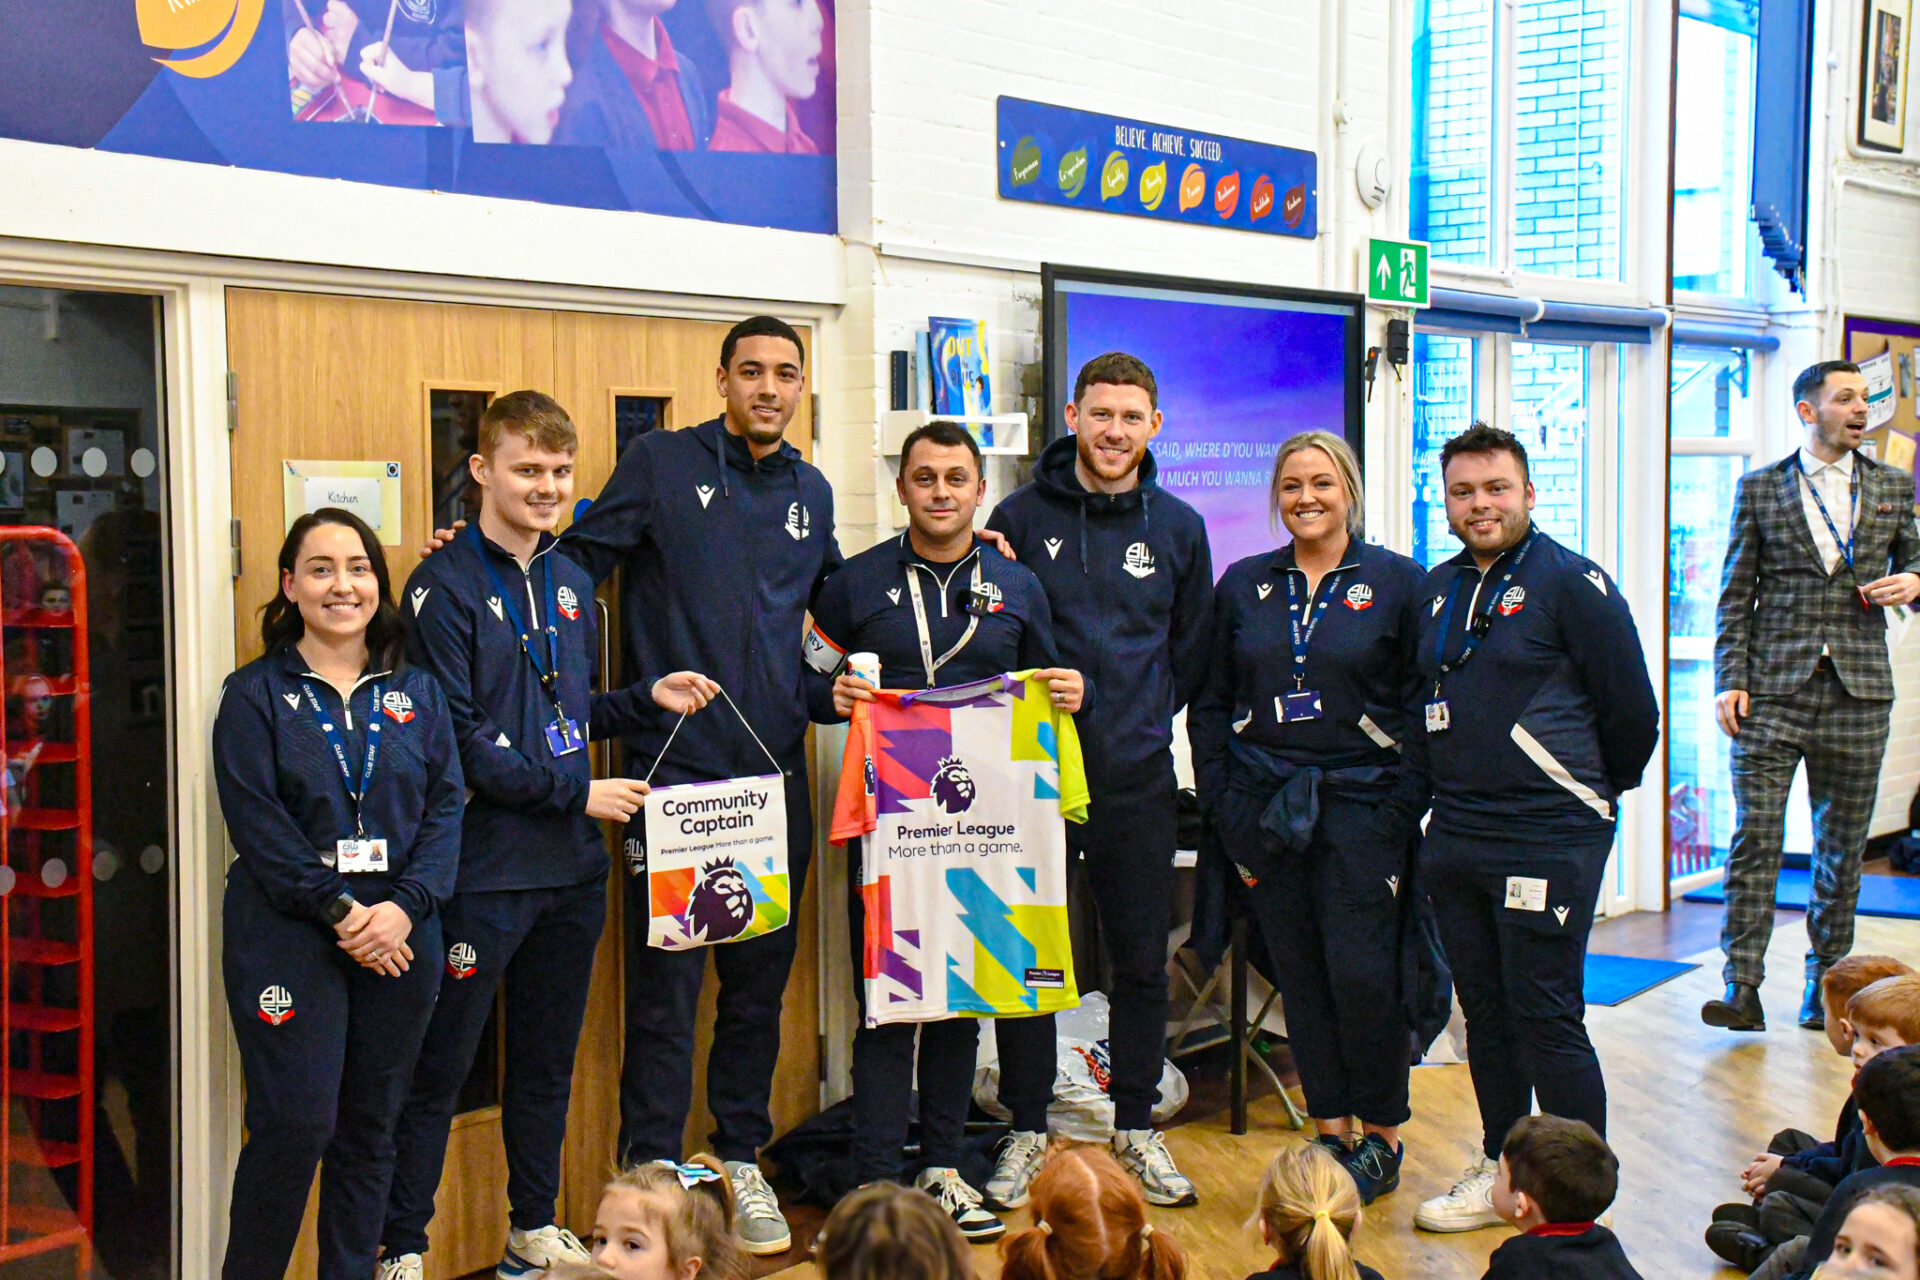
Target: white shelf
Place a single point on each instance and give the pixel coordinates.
(1007, 431)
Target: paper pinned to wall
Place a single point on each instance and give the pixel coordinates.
(1881, 403)
(371, 490)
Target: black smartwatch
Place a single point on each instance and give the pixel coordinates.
(340, 908)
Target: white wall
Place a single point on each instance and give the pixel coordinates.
(928, 234)
(1865, 260)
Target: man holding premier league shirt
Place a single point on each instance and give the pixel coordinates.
(1821, 544)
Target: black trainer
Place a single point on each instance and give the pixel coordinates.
(1375, 1167)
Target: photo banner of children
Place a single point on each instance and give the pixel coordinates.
(715, 109)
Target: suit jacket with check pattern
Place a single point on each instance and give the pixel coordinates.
(1778, 604)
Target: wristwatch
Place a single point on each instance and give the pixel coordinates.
(340, 908)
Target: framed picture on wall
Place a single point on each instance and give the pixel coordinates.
(1883, 75)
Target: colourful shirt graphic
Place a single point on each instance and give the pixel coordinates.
(960, 793)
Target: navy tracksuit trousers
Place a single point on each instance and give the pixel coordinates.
(1125, 847)
(1331, 916)
(663, 998)
(1520, 973)
(539, 944)
(326, 1083)
(883, 1073)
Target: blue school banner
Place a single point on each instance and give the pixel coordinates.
(721, 111)
(1114, 164)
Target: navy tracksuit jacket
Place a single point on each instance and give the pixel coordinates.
(1329, 895)
(1551, 720)
(721, 557)
(326, 1046)
(1130, 579)
(866, 607)
(531, 896)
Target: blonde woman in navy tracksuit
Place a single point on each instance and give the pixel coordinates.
(341, 787)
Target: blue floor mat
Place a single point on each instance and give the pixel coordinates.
(1894, 896)
(1618, 979)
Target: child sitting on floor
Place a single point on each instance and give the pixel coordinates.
(1308, 1210)
(887, 1232)
(1884, 1015)
(666, 1221)
(1556, 1178)
(1888, 1089)
(1089, 1220)
(1880, 1240)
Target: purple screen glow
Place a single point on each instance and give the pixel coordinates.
(1237, 376)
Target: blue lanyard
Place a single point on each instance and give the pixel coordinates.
(1483, 623)
(549, 672)
(339, 745)
(1853, 492)
(1302, 636)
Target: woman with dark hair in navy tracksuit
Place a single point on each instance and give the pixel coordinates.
(340, 782)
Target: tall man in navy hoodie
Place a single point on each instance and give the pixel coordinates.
(1127, 571)
(507, 627)
(1538, 715)
(724, 535)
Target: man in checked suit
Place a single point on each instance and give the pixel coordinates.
(1823, 542)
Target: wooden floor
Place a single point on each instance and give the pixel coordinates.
(1689, 1107)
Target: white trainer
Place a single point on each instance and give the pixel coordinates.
(530, 1253)
(962, 1204)
(1020, 1154)
(759, 1225)
(1144, 1154)
(1468, 1206)
(405, 1266)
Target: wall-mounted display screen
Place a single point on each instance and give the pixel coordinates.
(1239, 370)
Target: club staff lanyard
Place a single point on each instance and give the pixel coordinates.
(331, 731)
(927, 659)
(549, 672)
(1302, 634)
(1853, 492)
(1481, 624)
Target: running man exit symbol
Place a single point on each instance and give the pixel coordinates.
(1397, 273)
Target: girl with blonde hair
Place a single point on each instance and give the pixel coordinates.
(1307, 1213)
(1089, 1223)
(667, 1221)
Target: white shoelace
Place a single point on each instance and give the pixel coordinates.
(954, 1194)
(1477, 1173)
(1156, 1159)
(755, 1197)
(1022, 1147)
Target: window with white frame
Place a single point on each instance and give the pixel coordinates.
(1519, 152)
(1715, 245)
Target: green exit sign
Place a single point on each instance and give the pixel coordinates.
(1397, 273)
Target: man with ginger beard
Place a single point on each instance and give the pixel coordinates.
(1128, 573)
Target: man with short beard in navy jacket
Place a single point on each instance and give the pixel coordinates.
(1128, 573)
(724, 535)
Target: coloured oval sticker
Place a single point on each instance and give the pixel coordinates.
(1193, 187)
(1262, 198)
(1226, 195)
(1026, 162)
(1153, 185)
(1113, 176)
(194, 24)
(1073, 172)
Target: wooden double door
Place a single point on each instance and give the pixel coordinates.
(319, 377)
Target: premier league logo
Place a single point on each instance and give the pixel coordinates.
(569, 603)
(276, 1005)
(1512, 602)
(868, 776)
(461, 959)
(1359, 596)
(1139, 561)
(720, 906)
(398, 706)
(952, 786)
(799, 521)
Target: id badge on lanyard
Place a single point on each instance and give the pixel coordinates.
(359, 853)
(1303, 703)
(931, 663)
(562, 732)
(1439, 717)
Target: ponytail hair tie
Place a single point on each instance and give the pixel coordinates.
(1146, 1230)
(1321, 1215)
(1044, 1227)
